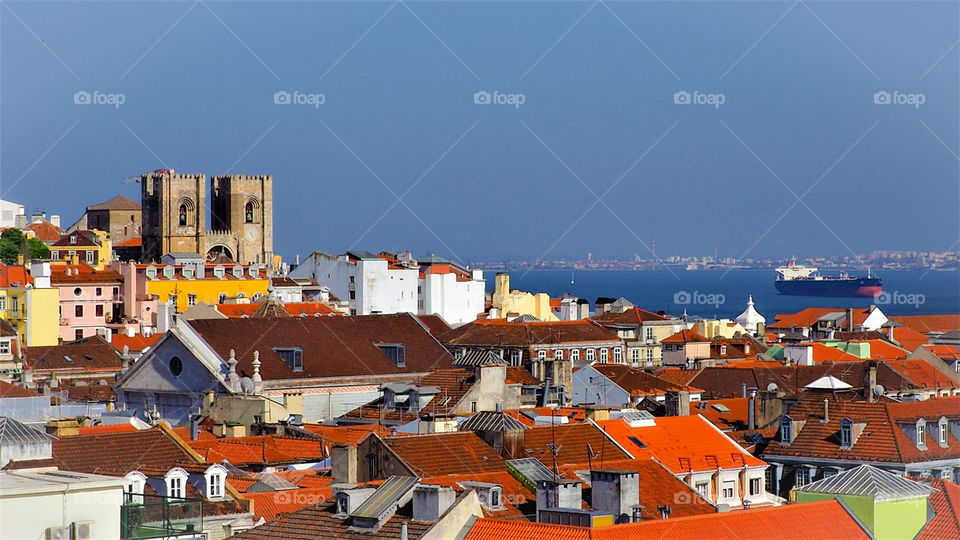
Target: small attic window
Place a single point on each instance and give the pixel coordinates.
(846, 433)
(293, 356)
(786, 430)
(921, 432)
(396, 352)
(944, 425)
(723, 349)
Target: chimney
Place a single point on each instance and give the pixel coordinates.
(637, 513)
(849, 319)
(499, 406)
(743, 389)
(546, 393)
(558, 493)
(752, 409)
(616, 491)
(665, 511)
(55, 220)
(403, 525)
(826, 410)
(430, 502)
(343, 464)
(871, 380)
(677, 403)
(194, 427)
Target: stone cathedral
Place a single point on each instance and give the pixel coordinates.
(175, 216)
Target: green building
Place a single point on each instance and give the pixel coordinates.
(891, 506)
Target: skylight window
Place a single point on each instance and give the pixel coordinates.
(396, 352)
(293, 356)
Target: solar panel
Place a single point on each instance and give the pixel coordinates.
(385, 496)
(531, 469)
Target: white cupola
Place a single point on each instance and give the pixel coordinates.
(751, 319)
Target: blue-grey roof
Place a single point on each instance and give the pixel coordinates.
(869, 481)
(15, 432)
(478, 358)
(491, 421)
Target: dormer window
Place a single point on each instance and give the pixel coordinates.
(558, 354)
(846, 433)
(921, 432)
(786, 430)
(746, 348)
(944, 427)
(218, 271)
(133, 489)
(214, 478)
(73, 239)
(176, 481)
(293, 356)
(495, 497)
(151, 272)
(723, 350)
(396, 352)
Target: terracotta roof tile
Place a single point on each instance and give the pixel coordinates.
(117, 203)
(946, 503)
(631, 316)
(685, 336)
(87, 354)
(317, 521)
(525, 334)
(807, 317)
(446, 453)
(928, 323)
(637, 381)
(576, 443)
(117, 454)
(8, 390)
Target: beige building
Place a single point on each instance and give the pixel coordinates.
(175, 209)
(510, 304)
(119, 218)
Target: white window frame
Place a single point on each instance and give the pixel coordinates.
(176, 483)
(729, 486)
(5, 346)
(214, 478)
(558, 354)
(542, 354)
(575, 355)
(590, 354)
(756, 486)
(617, 355)
(515, 357)
(703, 488)
(649, 333)
(604, 355)
(133, 489)
(944, 429)
(802, 476)
(921, 432)
(635, 355)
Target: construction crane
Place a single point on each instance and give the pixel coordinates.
(131, 180)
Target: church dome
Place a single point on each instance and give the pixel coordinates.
(750, 318)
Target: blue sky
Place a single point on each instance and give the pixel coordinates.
(497, 181)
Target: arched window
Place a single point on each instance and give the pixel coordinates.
(248, 212)
(183, 215)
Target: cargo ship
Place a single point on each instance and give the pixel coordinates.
(801, 280)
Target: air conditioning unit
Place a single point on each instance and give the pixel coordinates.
(57, 533)
(82, 530)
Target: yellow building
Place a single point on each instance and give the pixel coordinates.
(719, 328)
(188, 284)
(511, 303)
(30, 304)
(90, 247)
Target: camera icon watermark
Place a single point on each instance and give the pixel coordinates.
(697, 298)
(896, 97)
(482, 97)
(282, 97)
(82, 97)
(682, 97)
(897, 298)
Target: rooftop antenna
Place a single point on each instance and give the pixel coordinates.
(553, 444)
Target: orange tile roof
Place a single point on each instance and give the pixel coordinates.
(921, 373)
(296, 309)
(683, 444)
(69, 274)
(807, 317)
(351, 435)
(270, 505)
(631, 316)
(928, 323)
(909, 339)
(10, 390)
(637, 381)
(261, 449)
(115, 428)
(446, 453)
(12, 274)
(573, 414)
(577, 443)
(824, 353)
(821, 519)
(131, 242)
(685, 336)
(136, 342)
(946, 352)
(46, 231)
(946, 503)
(523, 334)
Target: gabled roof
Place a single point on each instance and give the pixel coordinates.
(331, 346)
(294, 309)
(575, 443)
(446, 453)
(630, 316)
(929, 323)
(686, 336)
(14, 276)
(828, 382)
(117, 203)
(83, 239)
(76, 274)
(154, 451)
(14, 432)
(318, 522)
(478, 357)
(499, 332)
(869, 481)
(9, 390)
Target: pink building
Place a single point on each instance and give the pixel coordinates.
(90, 300)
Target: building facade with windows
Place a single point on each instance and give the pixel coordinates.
(30, 304)
(641, 332)
(90, 300)
(823, 435)
(92, 247)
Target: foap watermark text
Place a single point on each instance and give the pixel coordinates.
(897, 298)
(282, 97)
(897, 97)
(696, 97)
(482, 97)
(82, 97)
(697, 298)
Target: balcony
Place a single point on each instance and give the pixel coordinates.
(155, 516)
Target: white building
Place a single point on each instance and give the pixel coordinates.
(750, 319)
(47, 503)
(386, 284)
(452, 292)
(9, 212)
(371, 283)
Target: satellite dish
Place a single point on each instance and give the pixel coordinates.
(246, 385)
(879, 390)
(772, 387)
